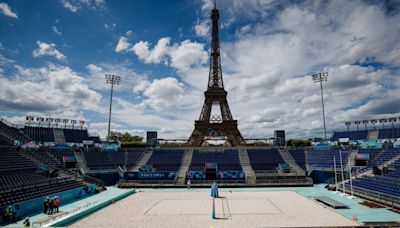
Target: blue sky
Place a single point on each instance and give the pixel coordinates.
(54, 54)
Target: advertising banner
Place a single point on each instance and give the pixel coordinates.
(157, 175)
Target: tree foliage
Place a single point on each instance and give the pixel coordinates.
(298, 143)
(125, 137)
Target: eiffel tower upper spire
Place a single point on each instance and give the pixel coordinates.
(215, 78)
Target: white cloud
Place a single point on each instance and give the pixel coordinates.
(202, 28)
(187, 54)
(48, 49)
(51, 89)
(69, 6)
(181, 56)
(55, 30)
(6, 10)
(129, 78)
(163, 93)
(75, 5)
(123, 44)
(155, 55)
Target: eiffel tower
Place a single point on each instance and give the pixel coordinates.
(215, 126)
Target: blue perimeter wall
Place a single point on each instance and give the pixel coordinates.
(25, 208)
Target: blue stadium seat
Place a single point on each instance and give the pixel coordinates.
(352, 135)
(325, 158)
(264, 159)
(166, 159)
(227, 160)
(300, 157)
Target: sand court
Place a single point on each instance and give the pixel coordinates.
(193, 209)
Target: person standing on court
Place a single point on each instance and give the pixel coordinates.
(56, 203)
(51, 206)
(188, 184)
(46, 205)
(9, 214)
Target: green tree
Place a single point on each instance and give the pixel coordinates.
(125, 137)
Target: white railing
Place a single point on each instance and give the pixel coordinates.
(61, 215)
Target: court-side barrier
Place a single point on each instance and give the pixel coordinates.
(29, 207)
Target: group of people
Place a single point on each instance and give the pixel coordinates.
(50, 205)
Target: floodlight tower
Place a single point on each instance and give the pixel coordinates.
(347, 125)
(357, 123)
(321, 77)
(113, 80)
(365, 122)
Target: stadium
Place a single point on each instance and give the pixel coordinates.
(57, 171)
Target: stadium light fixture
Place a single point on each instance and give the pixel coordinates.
(392, 120)
(347, 125)
(365, 122)
(373, 122)
(113, 80)
(81, 122)
(383, 121)
(357, 123)
(319, 78)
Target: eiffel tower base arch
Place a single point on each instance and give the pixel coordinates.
(226, 129)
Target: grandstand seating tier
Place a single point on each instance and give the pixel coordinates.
(226, 160)
(264, 159)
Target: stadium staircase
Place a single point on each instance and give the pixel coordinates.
(80, 160)
(186, 160)
(246, 166)
(350, 160)
(143, 160)
(391, 161)
(59, 136)
(288, 158)
(373, 135)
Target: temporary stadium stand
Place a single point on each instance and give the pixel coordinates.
(46, 134)
(76, 135)
(384, 156)
(352, 135)
(59, 154)
(95, 139)
(166, 159)
(11, 133)
(98, 160)
(264, 159)
(389, 133)
(299, 157)
(385, 133)
(19, 180)
(396, 172)
(46, 158)
(382, 184)
(227, 160)
(371, 151)
(133, 157)
(11, 161)
(40, 134)
(325, 159)
(111, 159)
